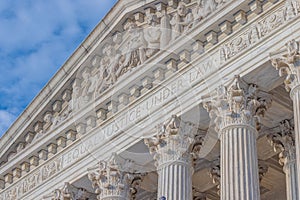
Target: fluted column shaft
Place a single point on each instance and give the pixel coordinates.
(235, 111)
(295, 95)
(239, 167)
(290, 170)
(171, 148)
(287, 62)
(175, 181)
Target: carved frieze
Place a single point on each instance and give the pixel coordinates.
(126, 51)
(89, 81)
(31, 181)
(259, 30)
(131, 48)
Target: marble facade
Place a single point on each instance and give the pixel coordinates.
(169, 99)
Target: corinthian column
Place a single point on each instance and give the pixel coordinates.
(114, 179)
(171, 148)
(284, 142)
(287, 61)
(235, 112)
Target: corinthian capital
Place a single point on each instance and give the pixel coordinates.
(173, 141)
(284, 142)
(115, 179)
(238, 103)
(287, 62)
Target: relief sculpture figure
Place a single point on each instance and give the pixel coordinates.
(165, 29)
(108, 66)
(134, 51)
(152, 35)
(203, 9)
(181, 21)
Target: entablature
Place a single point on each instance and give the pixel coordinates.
(127, 92)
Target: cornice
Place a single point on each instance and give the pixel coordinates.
(120, 9)
(211, 51)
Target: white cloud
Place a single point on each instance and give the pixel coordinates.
(36, 37)
(6, 118)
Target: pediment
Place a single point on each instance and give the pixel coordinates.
(130, 35)
(131, 52)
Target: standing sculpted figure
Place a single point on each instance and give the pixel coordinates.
(220, 2)
(86, 84)
(253, 35)
(134, 54)
(204, 8)
(181, 21)
(166, 31)
(108, 66)
(76, 98)
(152, 34)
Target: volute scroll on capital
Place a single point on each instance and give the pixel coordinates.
(176, 141)
(238, 104)
(283, 141)
(287, 62)
(115, 178)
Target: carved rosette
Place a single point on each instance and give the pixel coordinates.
(173, 143)
(287, 62)
(115, 180)
(284, 142)
(238, 104)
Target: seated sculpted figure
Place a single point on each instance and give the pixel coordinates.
(108, 66)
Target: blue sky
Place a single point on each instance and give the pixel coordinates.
(36, 38)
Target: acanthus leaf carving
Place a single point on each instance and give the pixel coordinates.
(286, 61)
(237, 104)
(284, 143)
(115, 178)
(173, 142)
